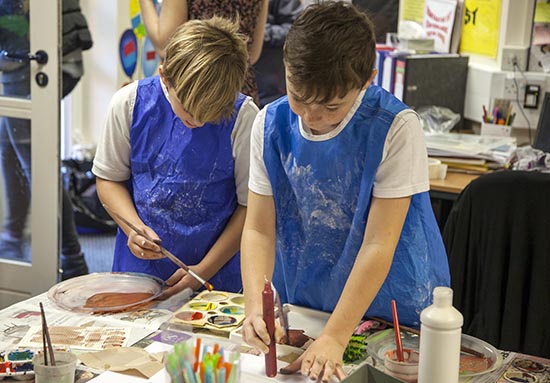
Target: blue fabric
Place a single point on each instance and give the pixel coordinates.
(183, 186)
(322, 192)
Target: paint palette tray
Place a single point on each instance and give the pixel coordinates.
(16, 364)
(218, 311)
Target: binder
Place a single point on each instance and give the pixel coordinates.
(435, 79)
(382, 51)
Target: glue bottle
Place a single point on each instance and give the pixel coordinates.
(440, 334)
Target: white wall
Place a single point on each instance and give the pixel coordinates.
(102, 72)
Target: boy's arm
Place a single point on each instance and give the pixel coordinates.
(257, 262)
(159, 28)
(373, 262)
(225, 247)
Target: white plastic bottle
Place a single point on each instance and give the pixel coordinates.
(440, 333)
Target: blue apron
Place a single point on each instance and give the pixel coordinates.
(322, 192)
(182, 184)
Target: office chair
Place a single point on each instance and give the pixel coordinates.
(497, 238)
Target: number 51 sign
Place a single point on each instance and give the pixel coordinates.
(481, 27)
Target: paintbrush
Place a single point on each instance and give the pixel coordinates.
(163, 251)
(46, 334)
(466, 350)
(282, 315)
(398, 344)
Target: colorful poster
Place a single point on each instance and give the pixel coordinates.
(135, 19)
(480, 31)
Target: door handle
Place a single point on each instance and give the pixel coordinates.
(40, 56)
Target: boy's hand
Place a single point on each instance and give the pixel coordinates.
(255, 333)
(321, 361)
(143, 248)
(179, 281)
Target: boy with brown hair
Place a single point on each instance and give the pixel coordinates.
(173, 159)
(339, 214)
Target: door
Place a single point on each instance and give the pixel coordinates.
(29, 148)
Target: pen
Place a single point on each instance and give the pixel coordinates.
(508, 115)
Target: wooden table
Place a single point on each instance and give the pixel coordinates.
(453, 184)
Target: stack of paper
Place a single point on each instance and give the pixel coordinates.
(469, 152)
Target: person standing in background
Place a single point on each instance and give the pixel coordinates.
(252, 15)
(15, 133)
(270, 69)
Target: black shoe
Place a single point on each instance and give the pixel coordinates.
(73, 266)
(12, 249)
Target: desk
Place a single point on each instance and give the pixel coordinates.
(443, 193)
(16, 319)
(451, 186)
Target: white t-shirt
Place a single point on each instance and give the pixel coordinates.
(403, 170)
(112, 159)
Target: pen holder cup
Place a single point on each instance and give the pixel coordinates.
(495, 130)
(62, 372)
(407, 370)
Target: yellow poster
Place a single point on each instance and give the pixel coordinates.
(480, 29)
(542, 12)
(413, 10)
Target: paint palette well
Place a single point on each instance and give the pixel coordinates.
(470, 366)
(106, 292)
(16, 364)
(216, 310)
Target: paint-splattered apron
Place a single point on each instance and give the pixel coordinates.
(322, 192)
(183, 186)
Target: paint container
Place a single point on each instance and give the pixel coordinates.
(62, 372)
(407, 370)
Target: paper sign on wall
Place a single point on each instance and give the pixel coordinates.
(481, 27)
(439, 17)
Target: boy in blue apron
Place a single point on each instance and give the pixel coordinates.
(173, 159)
(339, 215)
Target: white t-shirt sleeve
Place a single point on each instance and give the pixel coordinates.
(241, 148)
(112, 158)
(403, 170)
(259, 181)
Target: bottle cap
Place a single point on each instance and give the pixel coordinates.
(443, 296)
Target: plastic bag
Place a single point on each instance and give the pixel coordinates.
(437, 119)
(89, 214)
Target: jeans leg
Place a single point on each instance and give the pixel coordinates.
(16, 185)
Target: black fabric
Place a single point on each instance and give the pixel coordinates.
(75, 28)
(497, 238)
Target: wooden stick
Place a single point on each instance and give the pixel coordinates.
(47, 333)
(467, 350)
